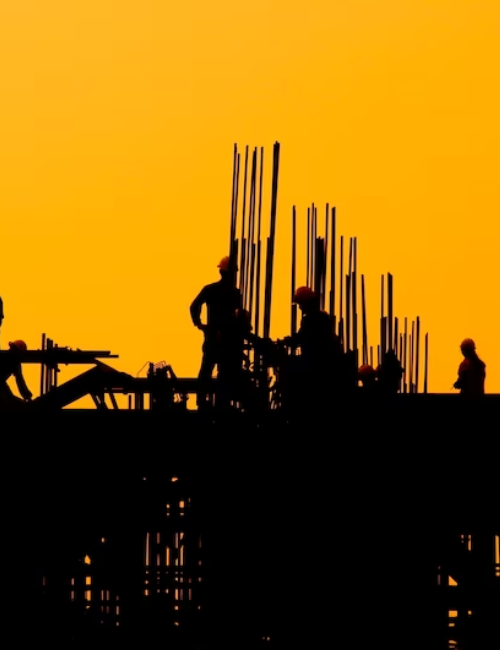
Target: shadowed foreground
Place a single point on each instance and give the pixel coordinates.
(335, 530)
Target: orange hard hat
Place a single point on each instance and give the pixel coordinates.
(225, 264)
(19, 345)
(366, 371)
(467, 344)
(303, 294)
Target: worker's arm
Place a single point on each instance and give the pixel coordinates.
(257, 340)
(295, 340)
(461, 377)
(196, 307)
(238, 299)
(21, 385)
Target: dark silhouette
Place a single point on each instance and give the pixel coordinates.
(339, 529)
(320, 347)
(221, 299)
(1, 311)
(10, 366)
(472, 370)
(234, 366)
(389, 373)
(318, 342)
(368, 377)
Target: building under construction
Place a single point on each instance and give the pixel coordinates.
(371, 521)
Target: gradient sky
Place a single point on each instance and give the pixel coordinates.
(118, 120)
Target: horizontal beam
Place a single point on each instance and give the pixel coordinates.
(143, 385)
(60, 356)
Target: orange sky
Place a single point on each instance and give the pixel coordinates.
(117, 125)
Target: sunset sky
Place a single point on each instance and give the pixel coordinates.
(118, 120)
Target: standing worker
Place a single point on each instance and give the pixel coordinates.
(472, 370)
(11, 366)
(321, 349)
(222, 299)
(233, 364)
(1, 312)
(390, 372)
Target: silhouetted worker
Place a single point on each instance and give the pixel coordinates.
(1, 313)
(238, 335)
(321, 349)
(389, 373)
(235, 341)
(222, 299)
(472, 371)
(368, 377)
(11, 366)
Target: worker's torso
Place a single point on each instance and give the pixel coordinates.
(472, 373)
(222, 299)
(317, 336)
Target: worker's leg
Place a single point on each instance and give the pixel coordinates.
(225, 378)
(205, 375)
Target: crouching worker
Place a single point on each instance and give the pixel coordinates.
(10, 365)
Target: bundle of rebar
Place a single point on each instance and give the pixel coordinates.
(336, 286)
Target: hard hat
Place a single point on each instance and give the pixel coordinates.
(19, 345)
(225, 264)
(467, 344)
(366, 371)
(303, 294)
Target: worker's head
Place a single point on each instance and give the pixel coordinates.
(468, 347)
(306, 299)
(367, 374)
(227, 268)
(18, 346)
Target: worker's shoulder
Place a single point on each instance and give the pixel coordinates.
(325, 316)
(211, 287)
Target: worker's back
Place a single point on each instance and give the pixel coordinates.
(317, 336)
(221, 298)
(472, 373)
(390, 373)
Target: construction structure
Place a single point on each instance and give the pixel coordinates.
(161, 524)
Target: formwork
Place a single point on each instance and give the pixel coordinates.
(189, 531)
